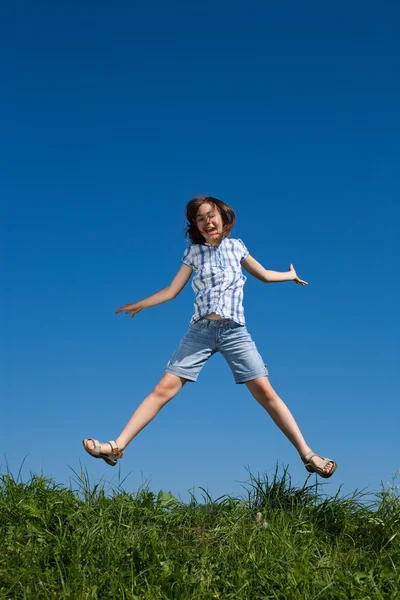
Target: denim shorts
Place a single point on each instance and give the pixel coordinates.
(205, 338)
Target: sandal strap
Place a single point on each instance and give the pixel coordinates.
(325, 462)
(114, 447)
(309, 456)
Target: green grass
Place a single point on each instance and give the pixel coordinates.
(275, 542)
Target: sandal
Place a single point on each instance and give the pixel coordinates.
(319, 469)
(111, 459)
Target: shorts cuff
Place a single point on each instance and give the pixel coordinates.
(180, 373)
(252, 375)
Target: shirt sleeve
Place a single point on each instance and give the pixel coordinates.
(188, 258)
(244, 253)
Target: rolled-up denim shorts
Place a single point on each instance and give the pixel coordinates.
(206, 337)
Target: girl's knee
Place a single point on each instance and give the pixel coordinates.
(269, 393)
(168, 387)
(262, 388)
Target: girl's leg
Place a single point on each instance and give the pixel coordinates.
(164, 391)
(264, 393)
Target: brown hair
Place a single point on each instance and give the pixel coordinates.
(227, 213)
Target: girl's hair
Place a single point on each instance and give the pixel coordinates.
(227, 213)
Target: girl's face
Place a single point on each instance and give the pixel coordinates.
(209, 223)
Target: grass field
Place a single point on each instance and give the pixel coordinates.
(275, 542)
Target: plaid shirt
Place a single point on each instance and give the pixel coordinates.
(218, 283)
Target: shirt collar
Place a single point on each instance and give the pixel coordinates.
(211, 246)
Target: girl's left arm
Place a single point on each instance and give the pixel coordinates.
(257, 270)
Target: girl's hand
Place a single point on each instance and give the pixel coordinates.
(294, 277)
(131, 309)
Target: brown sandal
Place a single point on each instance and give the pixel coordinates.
(319, 468)
(111, 459)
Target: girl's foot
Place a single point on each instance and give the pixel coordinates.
(104, 447)
(109, 452)
(325, 467)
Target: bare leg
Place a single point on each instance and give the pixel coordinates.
(264, 393)
(164, 391)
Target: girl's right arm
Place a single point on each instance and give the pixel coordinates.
(168, 293)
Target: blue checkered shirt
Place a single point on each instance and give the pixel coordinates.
(218, 283)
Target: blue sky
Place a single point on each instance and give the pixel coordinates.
(112, 118)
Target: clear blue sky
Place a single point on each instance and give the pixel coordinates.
(113, 117)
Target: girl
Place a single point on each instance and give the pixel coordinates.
(217, 325)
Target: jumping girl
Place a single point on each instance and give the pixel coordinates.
(217, 325)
